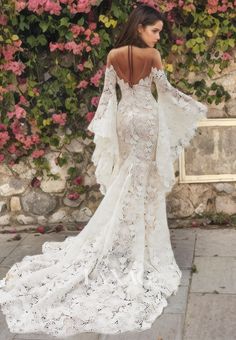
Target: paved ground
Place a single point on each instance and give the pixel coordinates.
(205, 305)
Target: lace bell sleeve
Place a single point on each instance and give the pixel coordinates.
(106, 153)
(179, 115)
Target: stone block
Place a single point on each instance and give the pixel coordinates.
(219, 242)
(214, 274)
(210, 317)
(15, 204)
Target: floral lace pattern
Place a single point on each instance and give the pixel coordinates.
(103, 125)
(116, 275)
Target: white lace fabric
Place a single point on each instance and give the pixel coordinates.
(116, 275)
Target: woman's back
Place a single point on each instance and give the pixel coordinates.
(133, 63)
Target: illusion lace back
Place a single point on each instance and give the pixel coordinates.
(116, 275)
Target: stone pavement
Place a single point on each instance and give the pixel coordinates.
(204, 308)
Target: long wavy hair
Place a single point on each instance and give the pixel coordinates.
(144, 15)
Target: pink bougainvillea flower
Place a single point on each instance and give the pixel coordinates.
(77, 180)
(16, 127)
(74, 48)
(80, 67)
(212, 6)
(35, 183)
(35, 139)
(89, 116)
(95, 40)
(83, 84)
(95, 100)
(73, 196)
(18, 43)
(87, 32)
(4, 138)
(179, 41)
(20, 137)
(81, 6)
(92, 26)
(27, 141)
(3, 127)
(151, 3)
(77, 30)
(20, 5)
(222, 8)
(23, 101)
(17, 67)
(95, 80)
(170, 6)
(12, 148)
(34, 6)
(59, 118)
(56, 46)
(226, 56)
(18, 112)
(213, 2)
(2, 157)
(3, 20)
(88, 49)
(52, 7)
(37, 153)
(9, 50)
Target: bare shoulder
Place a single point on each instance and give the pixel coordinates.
(156, 53)
(110, 57)
(112, 51)
(156, 61)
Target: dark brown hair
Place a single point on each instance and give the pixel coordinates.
(144, 15)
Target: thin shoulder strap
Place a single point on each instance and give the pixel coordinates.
(130, 60)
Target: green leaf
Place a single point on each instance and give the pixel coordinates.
(69, 35)
(72, 171)
(23, 24)
(174, 48)
(196, 49)
(88, 64)
(64, 22)
(55, 140)
(62, 161)
(189, 43)
(80, 22)
(42, 40)
(231, 42)
(44, 25)
(199, 40)
(32, 41)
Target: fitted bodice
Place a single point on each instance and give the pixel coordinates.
(132, 67)
(140, 90)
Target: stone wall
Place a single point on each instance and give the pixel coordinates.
(23, 205)
(187, 199)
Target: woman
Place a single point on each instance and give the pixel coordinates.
(116, 275)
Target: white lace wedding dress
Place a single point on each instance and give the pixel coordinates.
(118, 272)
